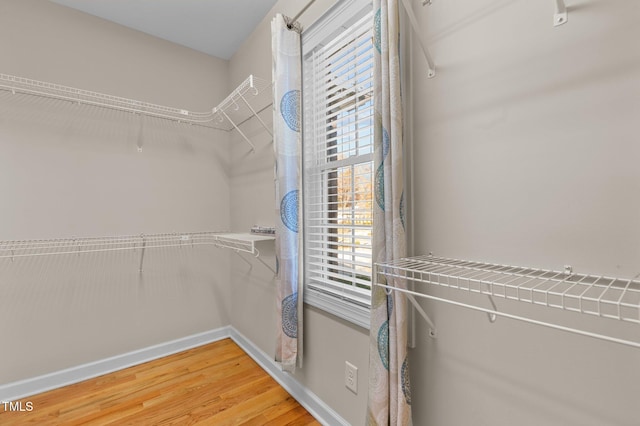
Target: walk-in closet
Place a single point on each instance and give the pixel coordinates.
(353, 212)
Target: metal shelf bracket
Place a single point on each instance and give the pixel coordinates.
(561, 16)
(431, 72)
(432, 327)
(144, 245)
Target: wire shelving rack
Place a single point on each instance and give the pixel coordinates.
(592, 295)
(247, 100)
(238, 242)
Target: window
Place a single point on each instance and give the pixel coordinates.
(338, 161)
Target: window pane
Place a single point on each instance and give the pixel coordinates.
(338, 173)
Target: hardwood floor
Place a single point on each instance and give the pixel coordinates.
(215, 384)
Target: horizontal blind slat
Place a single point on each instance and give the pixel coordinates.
(338, 168)
(331, 277)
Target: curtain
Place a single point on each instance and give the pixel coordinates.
(389, 389)
(287, 142)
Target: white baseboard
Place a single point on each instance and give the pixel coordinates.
(24, 388)
(310, 401)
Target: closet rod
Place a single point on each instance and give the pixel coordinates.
(515, 317)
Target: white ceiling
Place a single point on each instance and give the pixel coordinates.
(215, 27)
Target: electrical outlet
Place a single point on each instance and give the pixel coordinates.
(351, 377)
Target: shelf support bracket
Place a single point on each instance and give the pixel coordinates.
(266, 265)
(255, 114)
(242, 257)
(410, 297)
(144, 244)
(492, 315)
(561, 16)
(432, 327)
(253, 148)
(416, 29)
(140, 139)
(257, 255)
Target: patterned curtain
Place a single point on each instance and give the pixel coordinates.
(389, 390)
(287, 142)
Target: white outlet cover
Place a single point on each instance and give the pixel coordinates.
(351, 377)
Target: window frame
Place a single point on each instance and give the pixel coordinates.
(342, 15)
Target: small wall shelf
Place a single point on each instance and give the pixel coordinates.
(246, 243)
(599, 296)
(246, 101)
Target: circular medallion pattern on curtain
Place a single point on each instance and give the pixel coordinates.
(289, 210)
(290, 109)
(383, 344)
(406, 386)
(290, 315)
(379, 186)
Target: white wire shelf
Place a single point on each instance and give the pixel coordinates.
(237, 242)
(244, 242)
(251, 97)
(592, 295)
(247, 100)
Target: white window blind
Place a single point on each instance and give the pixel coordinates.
(338, 169)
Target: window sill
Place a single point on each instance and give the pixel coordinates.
(348, 311)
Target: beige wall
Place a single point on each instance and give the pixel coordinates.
(522, 154)
(69, 170)
(525, 153)
(329, 342)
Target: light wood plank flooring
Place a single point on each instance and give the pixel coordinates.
(215, 384)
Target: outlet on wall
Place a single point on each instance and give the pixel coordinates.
(351, 377)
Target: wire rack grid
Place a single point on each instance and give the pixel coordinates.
(602, 296)
(51, 247)
(248, 99)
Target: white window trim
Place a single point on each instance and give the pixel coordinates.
(340, 15)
